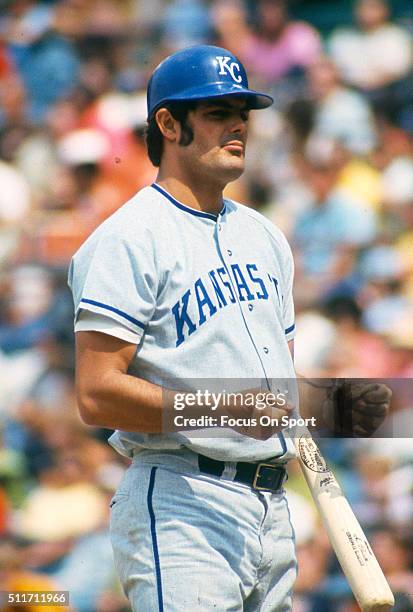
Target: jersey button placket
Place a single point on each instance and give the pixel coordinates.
(227, 253)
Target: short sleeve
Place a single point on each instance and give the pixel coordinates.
(92, 321)
(116, 276)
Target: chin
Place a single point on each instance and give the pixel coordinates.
(233, 176)
(223, 168)
(234, 173)
(231, 169)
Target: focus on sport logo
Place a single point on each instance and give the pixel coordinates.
(226, 66)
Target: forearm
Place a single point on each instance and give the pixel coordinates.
(120, 401)
(117, 400)
(313, 395)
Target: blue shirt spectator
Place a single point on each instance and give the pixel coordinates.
(186, 22)
(46, 62)
(337, 221)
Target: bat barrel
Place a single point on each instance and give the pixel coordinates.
(357, 560)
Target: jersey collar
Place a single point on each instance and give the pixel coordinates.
(187, 209)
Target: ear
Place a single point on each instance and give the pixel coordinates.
(168, 126)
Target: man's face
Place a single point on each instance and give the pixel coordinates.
(272, 16)
(322, 77)
(219, 130)
(371, 13)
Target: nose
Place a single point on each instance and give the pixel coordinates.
(239, 125)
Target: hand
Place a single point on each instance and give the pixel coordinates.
(357, 409)
(260, 418)
(254, 413)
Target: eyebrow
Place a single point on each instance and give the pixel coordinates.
(225, 104)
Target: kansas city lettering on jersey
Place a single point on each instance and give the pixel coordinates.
(217, 291)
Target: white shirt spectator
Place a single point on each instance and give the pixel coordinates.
(372, 59)
(14, 195)
(345, 116)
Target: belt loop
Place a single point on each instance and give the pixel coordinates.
(230, 470)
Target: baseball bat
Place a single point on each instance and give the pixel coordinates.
(357, 560)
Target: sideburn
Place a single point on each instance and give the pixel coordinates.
(187, 134)
(179, 111)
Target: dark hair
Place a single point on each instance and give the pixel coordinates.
(342, 307)
(154, 138)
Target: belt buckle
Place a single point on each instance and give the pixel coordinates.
(258, 475)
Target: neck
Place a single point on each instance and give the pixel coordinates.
(275, 34)
(205, 197)
(373, 27)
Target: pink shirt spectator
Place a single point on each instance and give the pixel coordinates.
(270, 60)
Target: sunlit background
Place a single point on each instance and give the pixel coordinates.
(331, 164)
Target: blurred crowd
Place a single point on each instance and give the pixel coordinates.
(331, 163)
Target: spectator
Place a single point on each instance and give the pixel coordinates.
(334, 176)
(280, 47)
(340, 113)
(122, 119)
(185, 23)
(335, 224)
(230, 22)
(13, 108)
(93, 553)
(15, 204)
(384, 304)
(46, 62)
(386, 52)
(14, 576)
(65, 503)
(384, 47)
(400, 340)
(355, 352)
(394, 556)
(314, 344)
(4, 511)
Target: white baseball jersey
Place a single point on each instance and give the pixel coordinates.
(203, 296)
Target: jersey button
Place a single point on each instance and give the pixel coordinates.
(229, 252)
(266, 350)
(219, 227)
(250, 307)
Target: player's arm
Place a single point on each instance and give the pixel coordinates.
(310, 401)
(107, 395)
(343, 407)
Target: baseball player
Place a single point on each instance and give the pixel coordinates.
(182, 284)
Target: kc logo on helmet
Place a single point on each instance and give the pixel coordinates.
(229, 68)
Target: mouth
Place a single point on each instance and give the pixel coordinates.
(235, 146)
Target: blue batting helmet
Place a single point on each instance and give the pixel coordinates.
(201, 72)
